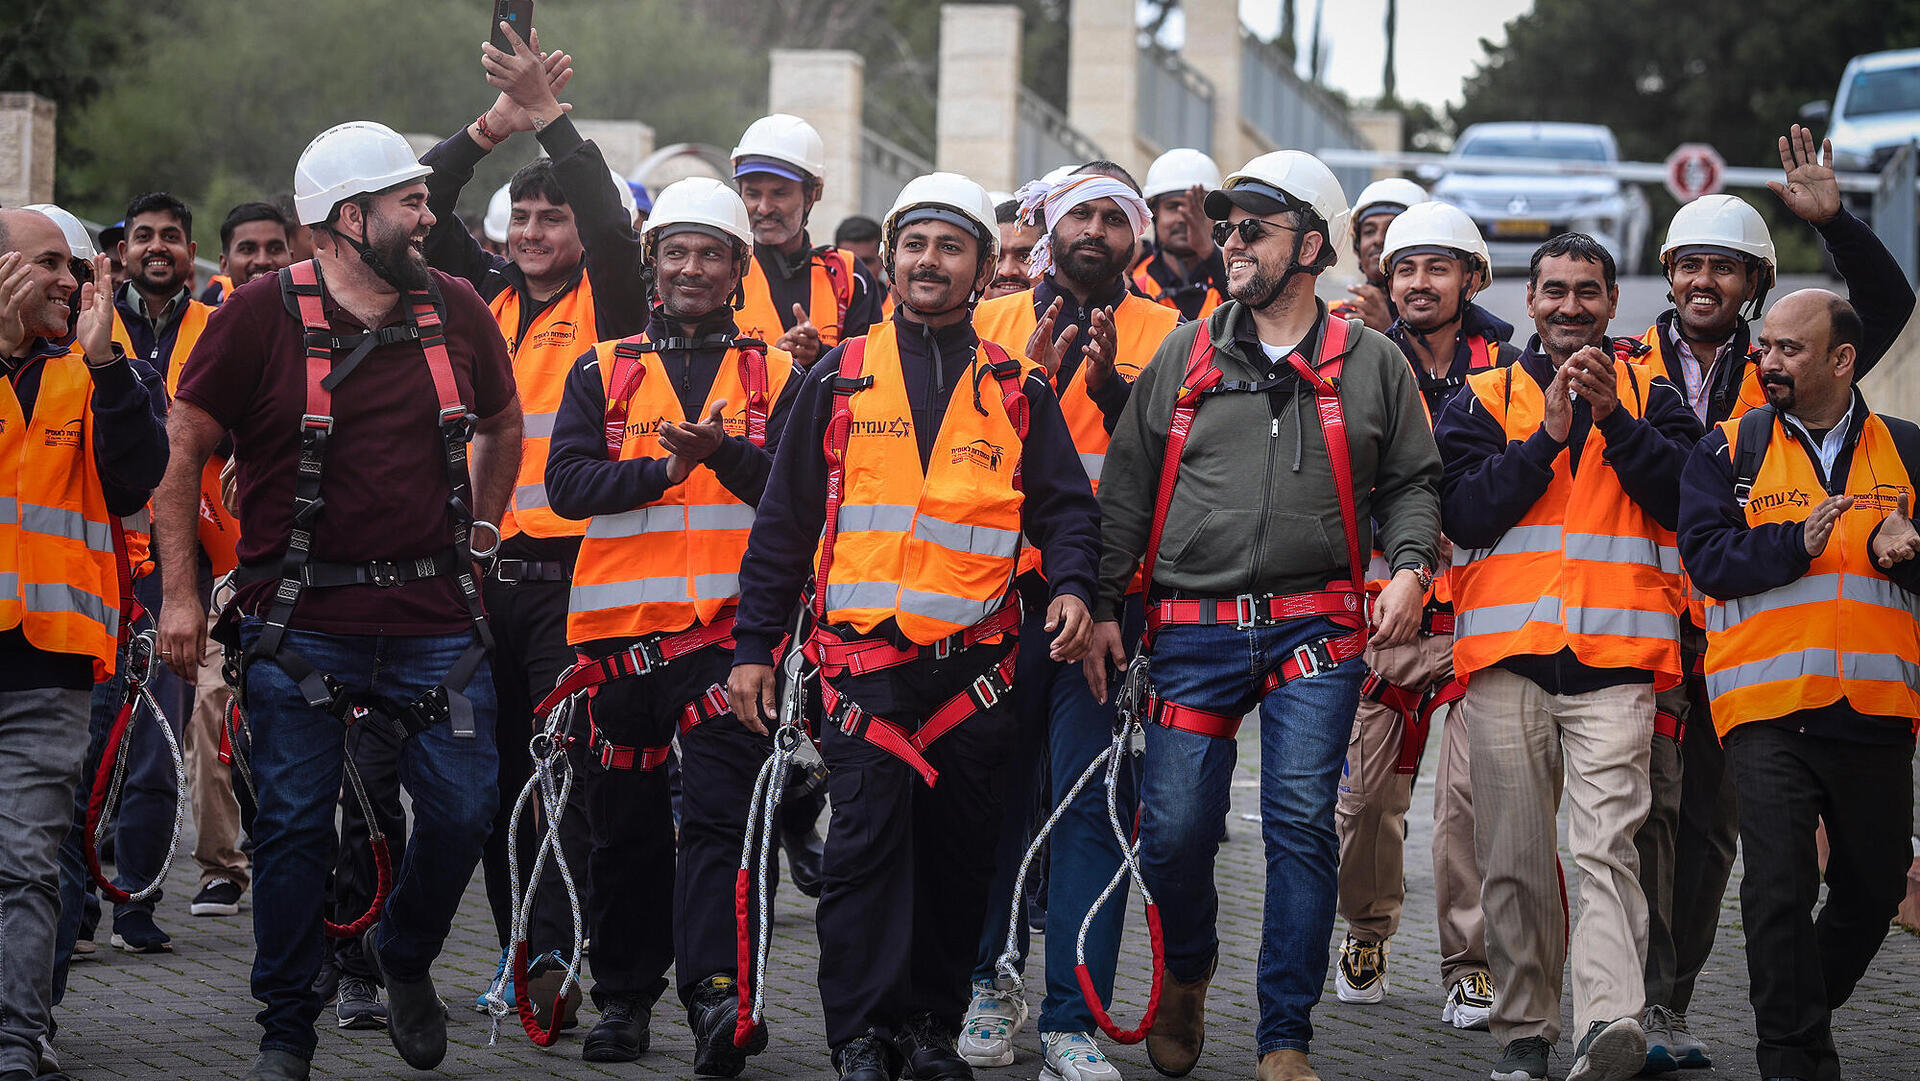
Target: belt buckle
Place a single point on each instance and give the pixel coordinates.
(854, 721)
(1307, 659)
(1246, 616)
(384, 573)
(500, 571)
(943, 648)
(646, 655)
(716, 699)
(984, 692)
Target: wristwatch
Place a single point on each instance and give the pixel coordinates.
(1421, 571)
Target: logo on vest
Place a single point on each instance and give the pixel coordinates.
(895, 427)
(979, 452)
(1777, 500)
(559, 334)
(67, 435)
(1883, 499)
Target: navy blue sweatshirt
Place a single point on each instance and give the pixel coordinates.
(1475, 322)
(583, 482)
(130, 453)
(1490, 482)
(1112, 398)
(152, 342)
(1059, 514)
(790, 282)
(1727, 558)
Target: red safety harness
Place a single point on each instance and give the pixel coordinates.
(629, 369)
(839, 656)
(1344, 602)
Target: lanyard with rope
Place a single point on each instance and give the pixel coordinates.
(137, 666)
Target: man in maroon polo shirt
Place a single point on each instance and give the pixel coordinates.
(359, 600)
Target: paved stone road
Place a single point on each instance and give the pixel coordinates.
(187, 1015)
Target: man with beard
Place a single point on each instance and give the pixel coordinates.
(1435, 261)
(82, 440)
(1796, 525)
(1719, 261)
(942, 451)
(1560, 495)
(1183, 269)
(1106, 334)
(1018, 236)
(804, 300)
(253, 241)
(351, 393)
(1250, 487)
(662, 445)
(1379, 203)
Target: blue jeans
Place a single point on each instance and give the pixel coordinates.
(1304, 730)
(297, 754)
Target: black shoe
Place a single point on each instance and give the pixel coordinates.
(713, 1015)
(928, 1047)
(360, 1006)
(622, 1034)
(416, 1018)
(279, 1066)
(217, 898)
(867, 1058)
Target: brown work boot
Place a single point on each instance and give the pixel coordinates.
(1180, 1028)
(1285, 1065)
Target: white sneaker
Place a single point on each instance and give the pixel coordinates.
(993, 1019)
(1361, 975)
(1469, 1002)
(1073, 1056)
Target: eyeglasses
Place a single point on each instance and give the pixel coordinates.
(82, 270)
(1250, 230)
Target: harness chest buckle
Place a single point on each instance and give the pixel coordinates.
(646, 656)
(384, 573)
(322, 424)
(1312, 658)
(1246, 613)
(985, 692)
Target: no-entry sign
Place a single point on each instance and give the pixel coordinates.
(1694, 170)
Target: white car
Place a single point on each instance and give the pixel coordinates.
(1518, 210)
(1875, 112)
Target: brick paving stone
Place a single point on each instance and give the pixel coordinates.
(188, 1015)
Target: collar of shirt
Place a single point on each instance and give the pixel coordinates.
(1830, 445)
(787, 265)
(37, 348)
(1246, 333)
(1047, 288)
(132, 300)
(1699, 376)
(717, 321)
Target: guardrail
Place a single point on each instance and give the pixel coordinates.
(1290, 112)
(1176, 101)
(885, 168)
(1045, 139)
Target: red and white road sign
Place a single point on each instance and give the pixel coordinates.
(1694, 170)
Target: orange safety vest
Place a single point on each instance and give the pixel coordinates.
(1586, 568)
(935, 549)
(224, 283)
(832, 293)
(1139, 326)
(139, 527)
(59, 577)
(661, 567)
(541, 361)
(1145, 282)
(1841, 630)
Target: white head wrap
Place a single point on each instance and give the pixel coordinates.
(1038, 197)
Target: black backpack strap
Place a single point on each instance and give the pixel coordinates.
(1751, 439)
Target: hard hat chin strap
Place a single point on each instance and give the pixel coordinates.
(376, 262)
(1286, 276)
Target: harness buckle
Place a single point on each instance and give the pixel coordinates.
(985, 693)
(317, 422)
(943, 648)
(384, 573)
(1246, 614)
(646, 656)
(1312, 658)
(853, 721)
(1742, 493)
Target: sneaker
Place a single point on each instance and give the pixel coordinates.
(928, 1046)
(1469, 1002)
(1524, 1059)
(714, 1015)
(993, 1019)
(1073, 1056)
(1610, 1051)
(84, 947)
(1688, 1050)
(1657, 1023)
(135, 932)
(360, 1006)
(1362, 975)
(217, 898)
(506, 991)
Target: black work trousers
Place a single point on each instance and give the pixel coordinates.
(1803, 968)
(1704, 843)
(908, 867)
(530, 651)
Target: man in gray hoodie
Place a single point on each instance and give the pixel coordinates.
(1254, 563)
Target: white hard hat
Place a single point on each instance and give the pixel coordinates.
(1294, 179)
(499, 215)
(1435, 225)
(360, 157)
(77, 239)
(781, 144)
(1179, 169)
(1395, 193)
(626, 194)
(1724, 222)
(703, 202)
(948, 197)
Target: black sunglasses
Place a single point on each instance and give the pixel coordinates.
(82, 269)
(1250, 230)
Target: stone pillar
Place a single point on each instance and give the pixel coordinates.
(624, 143)
(1381, 129)
(823, 87)
(26, 149)
(1213, 46)
(1103, 78)
(978, 114)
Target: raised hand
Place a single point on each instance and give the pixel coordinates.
(529, 81)
(1810, 190)
(802, 340)
(1043, 346)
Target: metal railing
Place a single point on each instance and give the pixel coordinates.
(885, 168)
(1290, 112)
(1045, 139)
(1176, 101)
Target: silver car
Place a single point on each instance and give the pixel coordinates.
(1516, 210)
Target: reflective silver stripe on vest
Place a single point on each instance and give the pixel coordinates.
(7, 512)
(1879, 668)
(872, 517)
(1604, 548)
(9, 586)
(1519, 540)
(670, 518)
(1093, 464)
(530, 497)
(716, 587)
(848, 595)
(1814, 589)
(52, 597)
(140, 521)
(707, 517)
(945, 607)
(536, 425)
(1786, 666)
(1506, 618)
(1623, 623)
(70, 524)
(959, 537)
(1879, 592)
(598, 597)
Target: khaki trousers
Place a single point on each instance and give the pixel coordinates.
(1456, 868)
(216, 814)
(1529, 746)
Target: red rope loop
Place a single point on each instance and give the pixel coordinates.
(383, 885)
(1100, 1015)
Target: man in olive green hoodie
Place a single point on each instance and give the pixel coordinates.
(1254, 592)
